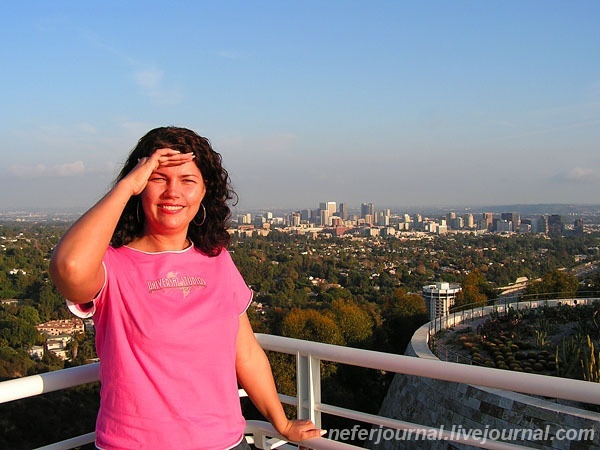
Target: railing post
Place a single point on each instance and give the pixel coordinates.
(308, 378)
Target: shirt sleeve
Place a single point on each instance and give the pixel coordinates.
(87, 310)
(82, 310)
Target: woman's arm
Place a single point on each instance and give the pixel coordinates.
(255, 376)
(76, 264)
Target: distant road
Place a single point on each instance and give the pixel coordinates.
(585, 269)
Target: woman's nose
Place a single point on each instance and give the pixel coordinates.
(172, 189)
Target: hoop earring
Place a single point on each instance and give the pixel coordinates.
(203, 217)
(137, 213)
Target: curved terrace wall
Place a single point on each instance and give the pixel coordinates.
(435, 403)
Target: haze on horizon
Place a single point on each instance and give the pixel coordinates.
(395, 103)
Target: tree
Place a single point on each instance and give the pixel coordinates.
(355, 323)
(403, 313)
(311, 325)
(29, 314)
(475, 291)
(407, 305)
(51, 305)
(17, 332)
(554, 284)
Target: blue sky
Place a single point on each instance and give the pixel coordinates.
(393, 102)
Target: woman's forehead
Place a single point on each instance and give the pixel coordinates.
(188, 168)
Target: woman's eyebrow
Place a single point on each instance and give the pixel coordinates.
(183, 175)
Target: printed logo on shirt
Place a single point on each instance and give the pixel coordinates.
(173, 280)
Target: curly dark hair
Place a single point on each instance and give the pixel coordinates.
(209, 234)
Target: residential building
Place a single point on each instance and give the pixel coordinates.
(439, 298)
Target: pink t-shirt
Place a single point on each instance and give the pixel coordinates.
(166, 327)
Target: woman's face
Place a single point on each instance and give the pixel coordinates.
(172, 198)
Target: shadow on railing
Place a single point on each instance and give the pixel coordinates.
(308, 400)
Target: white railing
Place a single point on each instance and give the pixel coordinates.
(501, 306)
(308, 400)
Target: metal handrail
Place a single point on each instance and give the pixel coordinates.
(308, 399)
(528, 383)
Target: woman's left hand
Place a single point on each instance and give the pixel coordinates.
(300, 430)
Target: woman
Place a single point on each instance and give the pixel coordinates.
(149, 262)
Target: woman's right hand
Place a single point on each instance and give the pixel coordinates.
(138, 178)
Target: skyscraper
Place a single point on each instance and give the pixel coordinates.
(343, 211)
(327, 210)
(488, 218)
(513, 217)
(578, 227)
(555, 226)
(469, 221)
(367, 209)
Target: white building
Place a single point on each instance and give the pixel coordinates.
(439, 298)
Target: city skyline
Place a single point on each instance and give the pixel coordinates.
(567, 209)
(335, 215)
(426, 104)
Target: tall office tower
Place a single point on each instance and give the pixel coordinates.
(503, 226)
(418, 224)
(469, 220)
(539, 225)
(382, 219)
(367, 209)
(343, 211)
(406, 218)
(305, 215)
(578, 227)
(315, 216)
(325, 219)
(328, 206)
(527, 226)
(488, 218)
(245, 219)
(332, 208)
(456, 223)
(555, 226)
(439, 298)
(516, 220)
(295, 219)
(450, 216)
(513, 217)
